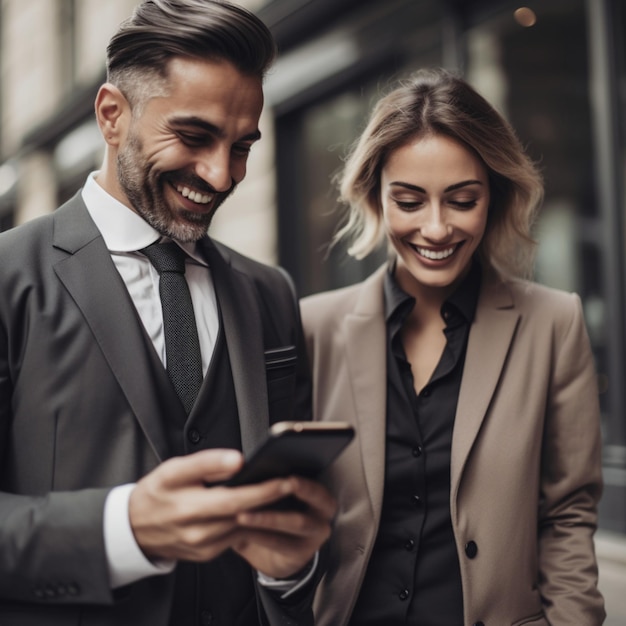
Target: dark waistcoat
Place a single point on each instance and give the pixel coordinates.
(221, 592)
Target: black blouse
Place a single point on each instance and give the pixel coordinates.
(413, 575)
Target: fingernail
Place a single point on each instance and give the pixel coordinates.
(231, 458)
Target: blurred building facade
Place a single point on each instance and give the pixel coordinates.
(555, 68)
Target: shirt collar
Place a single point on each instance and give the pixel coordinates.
(122, 229)
(398, 304)
(465, 298)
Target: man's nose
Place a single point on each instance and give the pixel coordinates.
(214, 167)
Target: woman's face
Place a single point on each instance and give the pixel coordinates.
(435, 198)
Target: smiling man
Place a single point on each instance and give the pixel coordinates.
(138, 358)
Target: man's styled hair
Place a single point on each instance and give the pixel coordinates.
(437, 102)
(160, 30)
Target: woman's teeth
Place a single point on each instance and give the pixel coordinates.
(435, 255)
(194, 196)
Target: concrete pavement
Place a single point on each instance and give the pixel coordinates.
(611, 552)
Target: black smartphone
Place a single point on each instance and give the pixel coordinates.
(295, 448)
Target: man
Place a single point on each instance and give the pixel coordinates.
(113, 509)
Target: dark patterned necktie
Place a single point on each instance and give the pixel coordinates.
(182, 347)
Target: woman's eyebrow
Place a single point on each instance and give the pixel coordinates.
(463, 183)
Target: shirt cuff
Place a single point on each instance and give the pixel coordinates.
(126, 562)
(289, 585)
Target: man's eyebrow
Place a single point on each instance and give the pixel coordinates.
(411, 187)
(202, 124)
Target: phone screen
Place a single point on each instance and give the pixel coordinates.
(295, 448)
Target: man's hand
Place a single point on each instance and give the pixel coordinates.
(175, 516)
(280, 543)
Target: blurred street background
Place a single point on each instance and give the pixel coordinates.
(611, 551)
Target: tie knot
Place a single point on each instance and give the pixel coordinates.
(166, 257)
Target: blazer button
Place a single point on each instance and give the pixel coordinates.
(404, 594)
(194, 436)
(471, 549)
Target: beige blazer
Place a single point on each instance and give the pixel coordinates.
(526, 472)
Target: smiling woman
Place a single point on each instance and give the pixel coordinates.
(435, 199)
(466, 499)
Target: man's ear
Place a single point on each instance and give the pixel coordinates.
(113, 114)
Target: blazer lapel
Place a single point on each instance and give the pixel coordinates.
(366, 357)
(488, 345)
(89, 275)
(244, 337)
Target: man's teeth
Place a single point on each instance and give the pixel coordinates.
(194, 196)
(436, 255)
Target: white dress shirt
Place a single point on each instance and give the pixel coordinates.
(124, 233)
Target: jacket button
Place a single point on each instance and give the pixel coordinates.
(409, 545)
(73, 589)
(193, 435)
(471, 549)
(404, 594)
(417, 451)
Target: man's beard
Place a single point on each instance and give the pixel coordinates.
(145, 192)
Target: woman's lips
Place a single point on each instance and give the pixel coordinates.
(436, 254)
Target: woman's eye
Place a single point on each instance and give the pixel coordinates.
(463, 204)
(407, 205)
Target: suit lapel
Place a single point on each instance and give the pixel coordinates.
(488, 345)
(89, 275)
(243, 331)
(366, 357)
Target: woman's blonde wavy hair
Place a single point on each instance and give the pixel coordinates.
(439, 102)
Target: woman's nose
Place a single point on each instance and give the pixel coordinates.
(435, 227)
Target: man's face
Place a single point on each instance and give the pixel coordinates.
(186, 151)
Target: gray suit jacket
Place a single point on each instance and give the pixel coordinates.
(83, 403)
(525, 466)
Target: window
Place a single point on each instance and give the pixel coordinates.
(316, 127)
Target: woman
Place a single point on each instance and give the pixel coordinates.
(470, 494)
